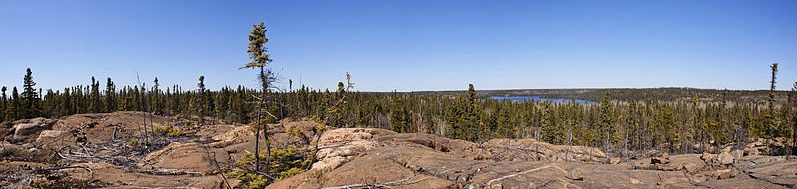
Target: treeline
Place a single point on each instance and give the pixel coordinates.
(628, 94)
(616, 126)
(228, 103)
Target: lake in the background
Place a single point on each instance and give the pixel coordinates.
(538, 99)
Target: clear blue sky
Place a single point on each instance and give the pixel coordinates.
(405, 45)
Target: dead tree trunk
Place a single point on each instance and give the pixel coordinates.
(257, 138)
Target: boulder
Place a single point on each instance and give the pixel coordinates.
(614, 160)
(725, 158)
(7, 148)
(727, 149)
(725, 175)
(691, 167)
(737, 154)
(708, 157)
(663, 159)
(48, 135)
(722, 174)
(659, 160)
(232, 136)
(31, 126)
(575, 175)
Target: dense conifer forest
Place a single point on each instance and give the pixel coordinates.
(623, 120)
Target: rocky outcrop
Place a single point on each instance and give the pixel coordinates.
(179, 158)
(341, 145)
(232, 136)
(358, 157)
(777, 170)
(27, 130)
(530, 149)
(741, 183)
(417, 166)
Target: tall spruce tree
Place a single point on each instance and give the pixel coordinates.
(3, 104)
(471, 115)
(14, 106)
(30, 97)
(156, 99)
(95, 103)
(770, 117)
(606, 124)
(260, 58)
(110, 96)
(793, 118)
(202, 102)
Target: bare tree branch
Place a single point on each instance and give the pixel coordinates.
(387, 184)
(64, 167)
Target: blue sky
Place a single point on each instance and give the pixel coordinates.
(405, 45)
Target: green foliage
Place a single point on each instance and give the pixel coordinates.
(30, 107)
(132, 143)
(295, 131)
(320, 128)
(14, 106)
(286, 162)
(253, 180)
(201, 104)
(291, 172)
(771, 121)
(169, 131)
(257, 47)
(3, 102)
(285, 159)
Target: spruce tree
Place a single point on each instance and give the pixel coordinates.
(95, 103)
(793, 121)
(201, 105)
(30, 98)
(65, 106)
(606, 124)
(156, 99)
(471, 126)
(770, 118)
(110, 96)
(258, 53)
(3, 104)
(14, 106)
